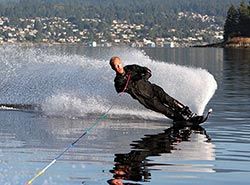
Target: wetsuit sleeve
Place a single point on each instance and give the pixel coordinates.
(135, 73)
(139, 72)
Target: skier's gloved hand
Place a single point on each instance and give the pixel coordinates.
(147, 75)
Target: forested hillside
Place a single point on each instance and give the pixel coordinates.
(151, 11)
(184, 22)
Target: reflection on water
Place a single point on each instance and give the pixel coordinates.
(29, 142)
(206, 58)
(236, 74)
(136, 165)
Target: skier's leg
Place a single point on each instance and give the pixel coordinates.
(172, 103)
(156, 105)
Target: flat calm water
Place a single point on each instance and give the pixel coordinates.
(67, 88)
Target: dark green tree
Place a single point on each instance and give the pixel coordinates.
(231, 27)
(237, 22)
(244, 20)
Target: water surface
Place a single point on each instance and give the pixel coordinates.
(68, 88)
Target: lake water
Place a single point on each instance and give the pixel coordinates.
(67, 89)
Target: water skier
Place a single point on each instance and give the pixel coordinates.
(133, 79)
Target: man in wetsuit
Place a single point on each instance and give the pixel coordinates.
(133, 79)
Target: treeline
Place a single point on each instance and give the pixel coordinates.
(237, 22)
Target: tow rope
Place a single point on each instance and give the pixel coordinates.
(102, 117)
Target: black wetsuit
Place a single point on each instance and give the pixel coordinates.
(148, 94)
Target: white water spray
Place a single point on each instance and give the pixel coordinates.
(75, 86)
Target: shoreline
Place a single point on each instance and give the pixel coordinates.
(235, 42)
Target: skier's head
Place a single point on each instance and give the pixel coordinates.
(116, 64)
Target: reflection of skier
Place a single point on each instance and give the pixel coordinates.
(133, 79)
(134, 165)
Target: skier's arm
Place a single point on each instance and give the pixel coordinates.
(141, 72)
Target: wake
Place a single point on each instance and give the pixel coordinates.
(70, 85)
